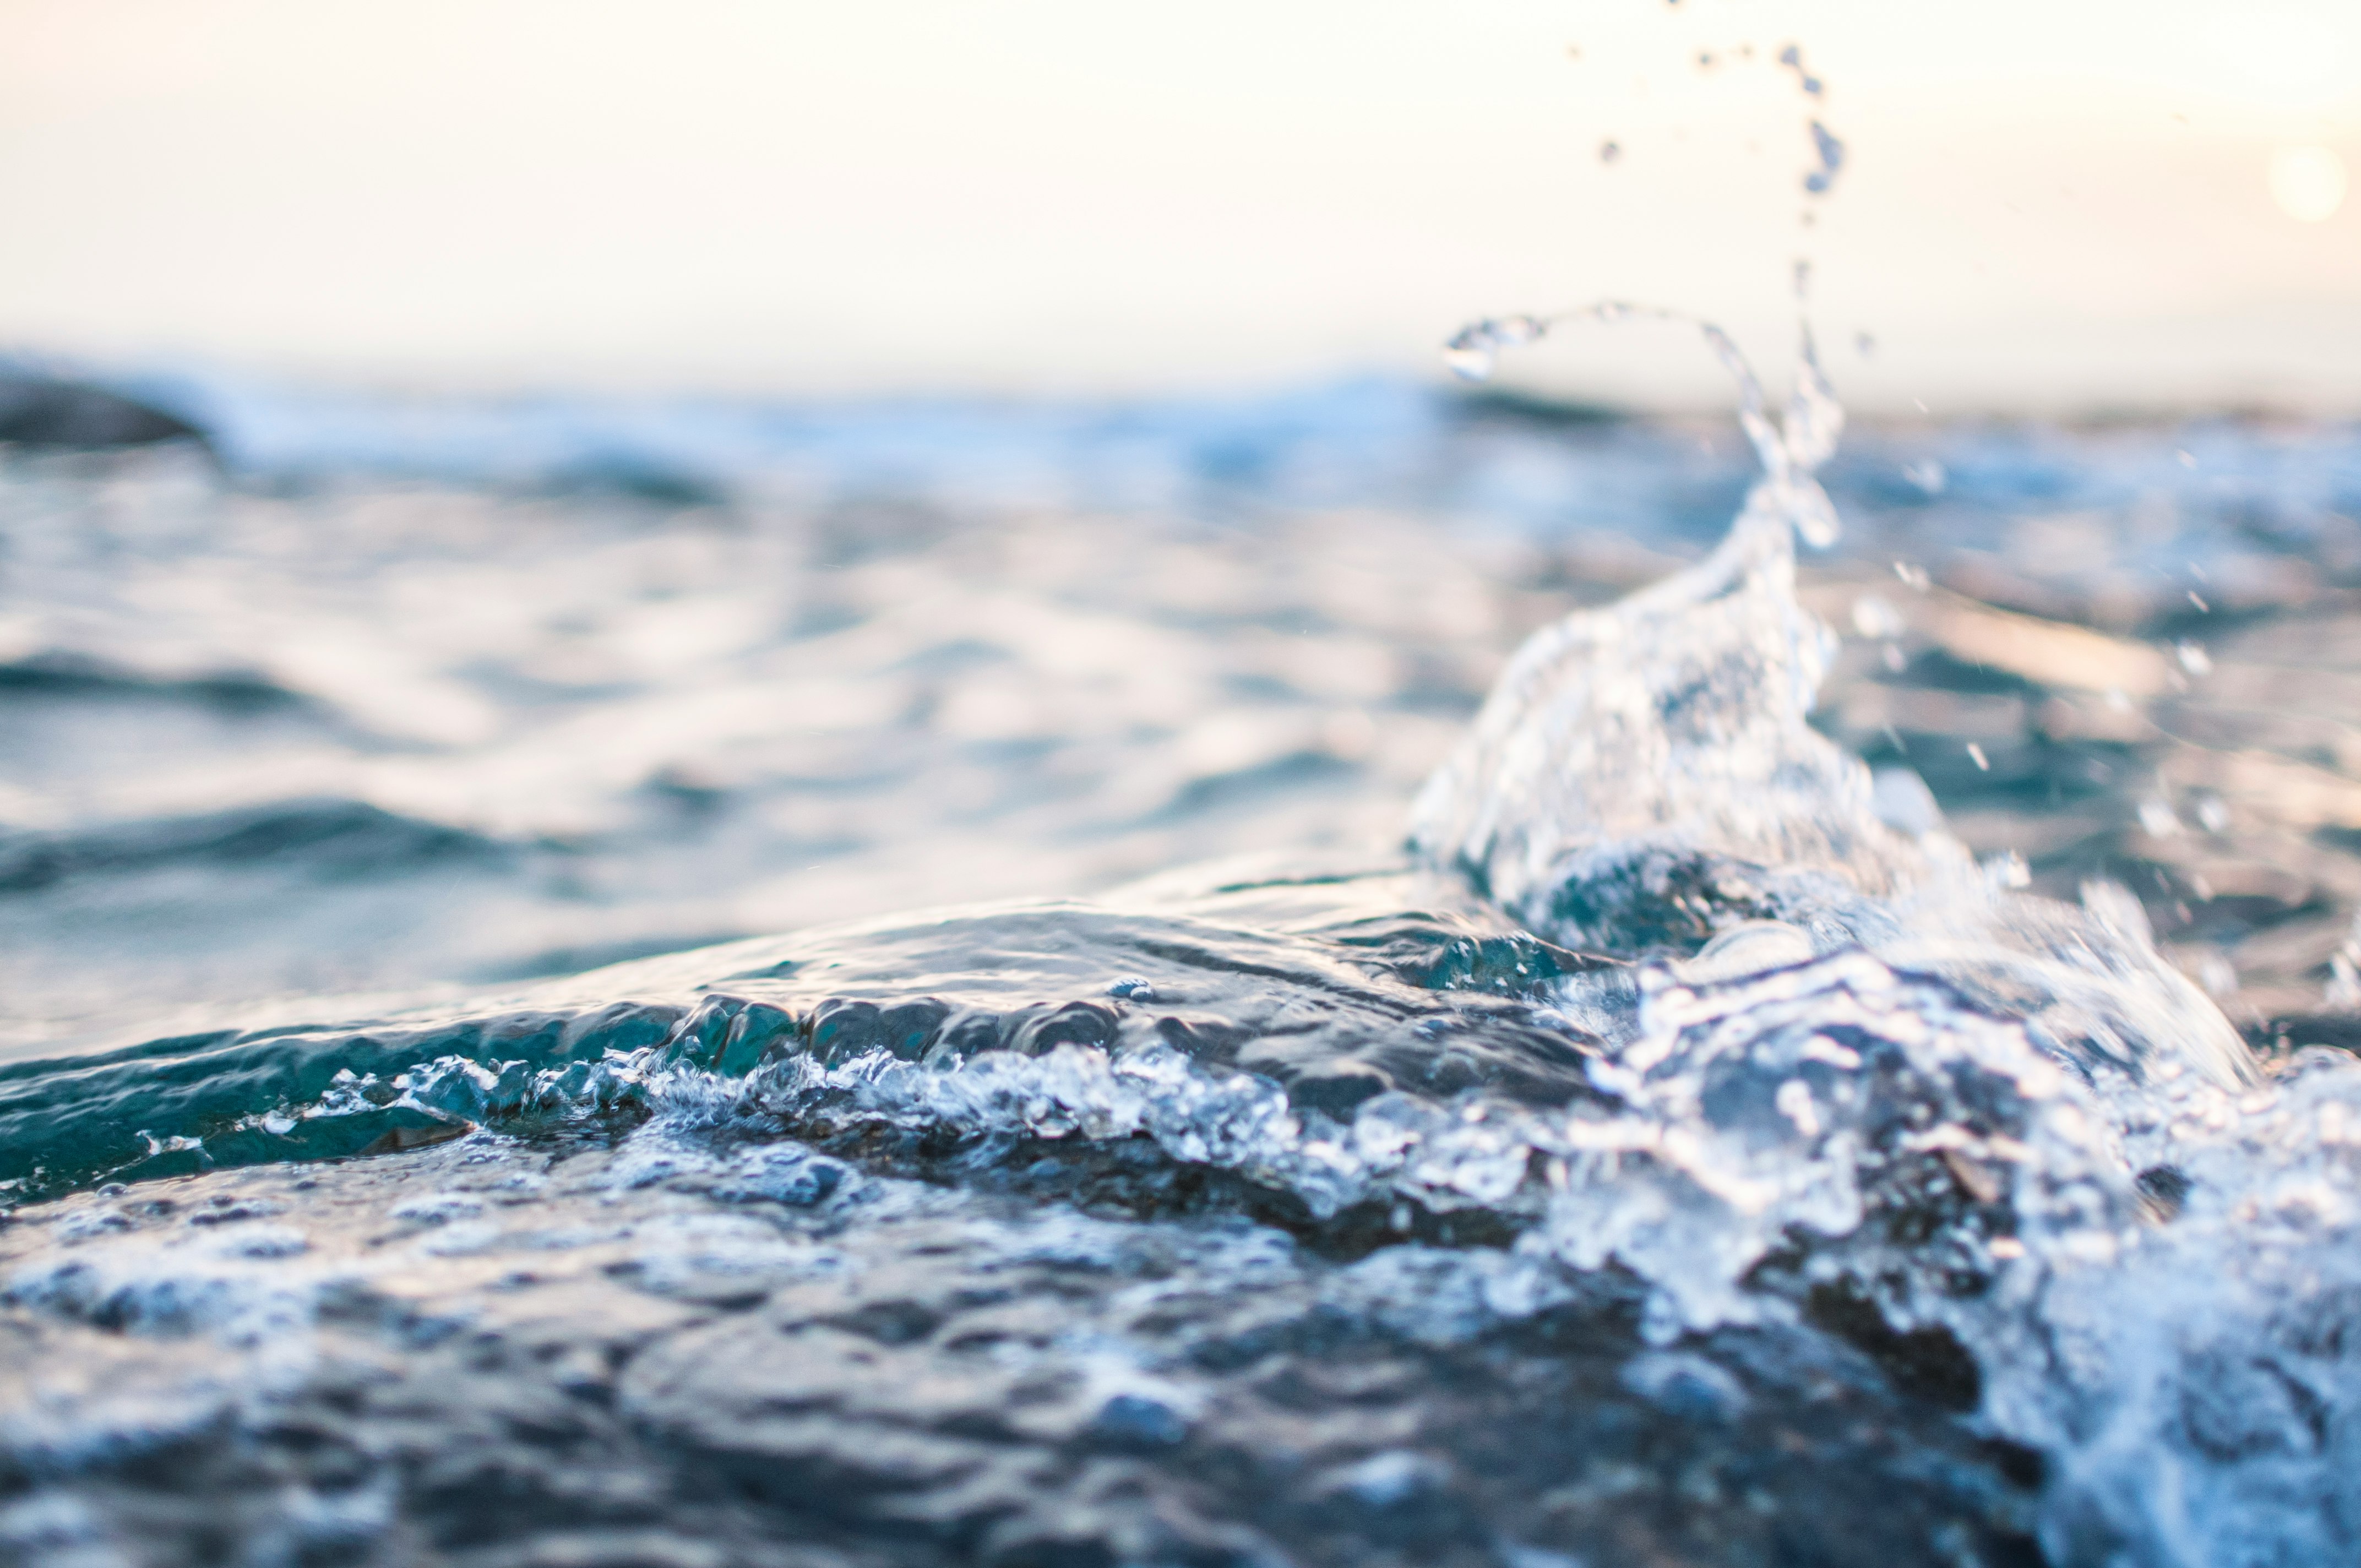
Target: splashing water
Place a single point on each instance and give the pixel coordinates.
(1692, 1095)
(1643, 782)
(1696, 1065)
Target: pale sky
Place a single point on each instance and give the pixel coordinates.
(2043, 204)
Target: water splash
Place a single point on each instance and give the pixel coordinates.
(1646, 775)
(1877, 1085)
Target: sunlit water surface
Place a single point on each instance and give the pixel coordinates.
(1672, 1140)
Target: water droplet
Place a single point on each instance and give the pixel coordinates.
(1873, 617)
(1792, 57)
(1831, 153)
(1608, 151)
(1469, 362)
(1813, 420)
(1471, 352)
(1927, 475)
(1976, 755)
(2193, 658)
(2342, 990)
(1864, 344)
(1815, 516)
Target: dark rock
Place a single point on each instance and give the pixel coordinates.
(40, 411)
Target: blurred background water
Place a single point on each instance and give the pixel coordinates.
(367, 695)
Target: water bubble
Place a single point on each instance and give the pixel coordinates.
(2156, 819)
(2194, 657)
(1927, 475)
(1608, 151)
(1864, 343)
(1976, 755)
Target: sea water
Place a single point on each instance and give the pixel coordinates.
(1836, 1060)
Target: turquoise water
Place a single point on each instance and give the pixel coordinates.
(1835, 1062)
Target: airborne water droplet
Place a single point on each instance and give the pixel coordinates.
(1831, 153)
(1815, 516)
(1792, 57)
(1469, 358)
(1608, 151)
(1474, 349)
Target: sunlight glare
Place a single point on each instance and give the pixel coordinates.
(2308, 182)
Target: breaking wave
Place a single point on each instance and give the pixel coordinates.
(1664, 993)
